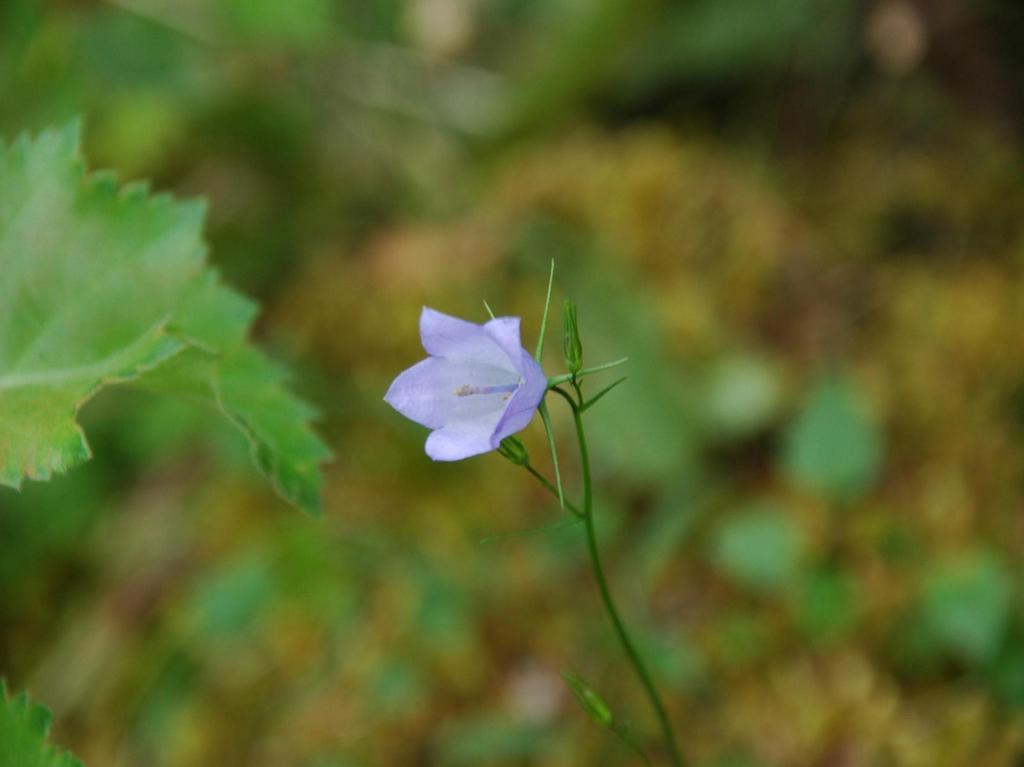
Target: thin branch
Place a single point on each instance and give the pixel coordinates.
(544, 318)
(560, 379)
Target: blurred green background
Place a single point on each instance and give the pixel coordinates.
(802, 220)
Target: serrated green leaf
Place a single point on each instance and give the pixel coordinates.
(106, 284)
(220, 368)
(23, 729)
(252, 394)
(73, 252)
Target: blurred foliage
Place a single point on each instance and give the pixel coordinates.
(831, 446)
(800, 220)
(758, 548)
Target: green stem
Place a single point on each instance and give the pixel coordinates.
(628, 739)
(553, 490)
(606, 597)
(561, 379)
(545, 416)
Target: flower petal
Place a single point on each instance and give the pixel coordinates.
(452, 338)
(478, 386)
(520, 409)
(463, 439)
(504, 331)
(428, 392)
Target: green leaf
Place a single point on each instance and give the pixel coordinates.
(742, 395)
(759, 548)
(221, 369)
(73, 250)
(828, 605)
(105, 284)
(23, 729)
(967, 603)
(832, 448)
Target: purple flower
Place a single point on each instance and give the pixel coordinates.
(478, 386)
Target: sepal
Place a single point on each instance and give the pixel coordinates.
(572, 347)
(514, 450)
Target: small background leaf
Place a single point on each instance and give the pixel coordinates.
(759, 547)
(967, 603)
(828, 605)
(832, 447)
(743, 393)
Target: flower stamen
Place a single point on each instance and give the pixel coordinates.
(466, 390)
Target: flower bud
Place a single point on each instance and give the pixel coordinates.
(514, 450)
(571, 345)
(589, 699)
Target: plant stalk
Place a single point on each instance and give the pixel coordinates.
(606, 597)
